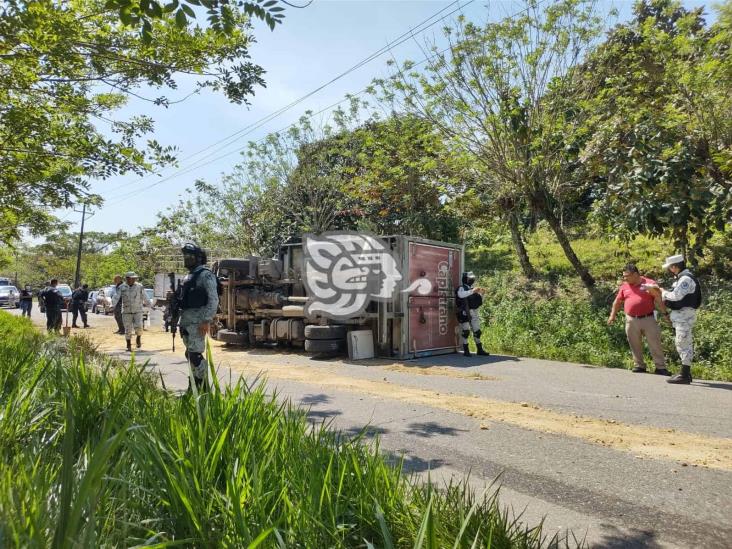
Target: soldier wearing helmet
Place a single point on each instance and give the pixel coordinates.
(468, 302)
(199, 301)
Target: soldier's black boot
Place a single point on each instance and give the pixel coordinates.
(682, 378)
(466, 350)
(129, 345)
(481, 352)
(138, 341)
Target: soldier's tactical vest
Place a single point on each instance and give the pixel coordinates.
(193, 296)
(474, 300)
(693, 300)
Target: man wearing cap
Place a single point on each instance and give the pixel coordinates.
(133, 297)
(639, 305)
(199, 301)
(468, 302)
(683, 299)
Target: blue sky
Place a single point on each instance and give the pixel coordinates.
(311, 47)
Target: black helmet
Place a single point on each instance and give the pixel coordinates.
(468, 278)
(199, 253)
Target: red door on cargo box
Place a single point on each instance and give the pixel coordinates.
(432, 322)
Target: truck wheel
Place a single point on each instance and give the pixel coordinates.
(325, 345)
(325, 332)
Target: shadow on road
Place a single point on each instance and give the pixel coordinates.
(414, 464)
(633, 539)
(712, 385)
(309, 400)
(430, 429)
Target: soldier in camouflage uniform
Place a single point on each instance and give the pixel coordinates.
(684, 298)
(199, 302)
(133, 297)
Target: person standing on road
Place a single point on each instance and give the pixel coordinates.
(199, 301)
(26, 301)
(468, 302)
(132, 296)
(118, 307)
(53, 301)
(78, 305)
(639, 305)
(684, 298)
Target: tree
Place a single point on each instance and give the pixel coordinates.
(66, 66)
(398, 172)
(487, 92)
(660, 114)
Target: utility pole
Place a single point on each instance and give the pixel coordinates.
(77, 276)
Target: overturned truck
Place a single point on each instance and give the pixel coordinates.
(313, 295)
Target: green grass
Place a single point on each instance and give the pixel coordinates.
(94, 454)
(553, 317)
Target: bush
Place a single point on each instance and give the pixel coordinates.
(98, 456)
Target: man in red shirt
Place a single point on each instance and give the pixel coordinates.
(639, 306)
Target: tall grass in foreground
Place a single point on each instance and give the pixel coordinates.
(96, 455)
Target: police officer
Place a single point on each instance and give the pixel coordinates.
(78, 305)
(684, 298)
(53, 301)
(133, 297)
(199, 301)
(468, 301)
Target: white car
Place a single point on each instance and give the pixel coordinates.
(9, 297)
(103, 303)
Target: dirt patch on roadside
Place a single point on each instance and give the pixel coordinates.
(439, 371)
(641, 441)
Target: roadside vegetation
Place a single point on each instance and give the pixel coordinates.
(550, 316)
(94, 454)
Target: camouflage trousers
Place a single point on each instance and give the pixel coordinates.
(132, 323)
(195, 345)
(473, 323)
(683, 322)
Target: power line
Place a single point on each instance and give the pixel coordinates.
(230, 139)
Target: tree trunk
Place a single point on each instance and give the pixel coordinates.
(518, 245)
(579, 267)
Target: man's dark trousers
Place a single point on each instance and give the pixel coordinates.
(118, 316)
(53, 319)
(79, 309)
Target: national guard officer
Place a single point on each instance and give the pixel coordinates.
(133, 297)
(53, 302)
(199, 301)
(468, 301)
(684, 298)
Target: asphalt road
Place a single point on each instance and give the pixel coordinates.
(604, 493)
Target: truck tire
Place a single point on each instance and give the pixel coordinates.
(315, 332)
(325, 345)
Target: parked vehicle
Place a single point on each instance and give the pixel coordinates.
(9, 296)
(103, 303)
(263, 303)
(5, 281)
(92, 300)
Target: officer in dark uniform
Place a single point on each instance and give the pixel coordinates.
(78, 305)
(199, 301)
(468, 302)
(53, 302)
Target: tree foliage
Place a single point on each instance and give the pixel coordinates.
(67, 66)
(488, 92)
(659, 117)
